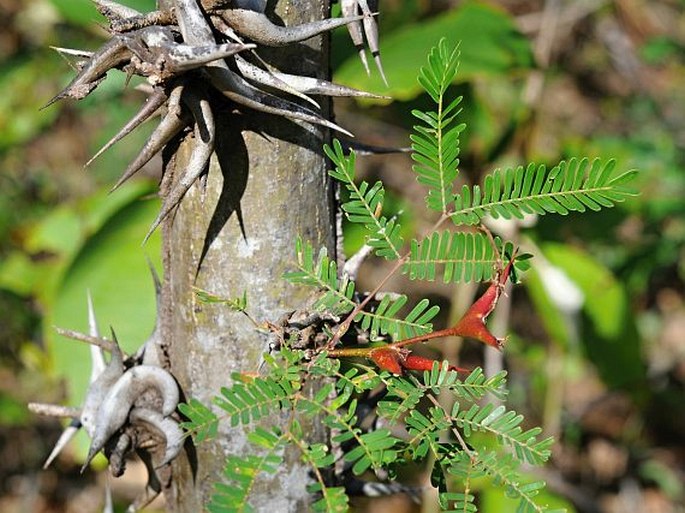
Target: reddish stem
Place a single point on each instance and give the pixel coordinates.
(345, 325)
(472, 325)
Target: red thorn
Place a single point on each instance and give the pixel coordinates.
(387, 358)
(472, 324)
(419, 363)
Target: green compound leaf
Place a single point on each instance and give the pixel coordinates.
(504, 472)
(322, 273)
(436, 141)
(476, 385)
(452, 502)
(425, 431)
(202, 421)
(571, 186)
(249, 401)
(365, 205)
(375, 451)
(241, 473)
(506, 426)
(384, 321)
(237, 304)
(473, 387)
(338, 296)
(463, 257)
(402, 397)
(333, 499)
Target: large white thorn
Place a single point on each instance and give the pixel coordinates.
(97, 357)
(66, 436)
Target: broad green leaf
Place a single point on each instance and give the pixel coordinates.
(78, 12)
(57, 238)
(112, 265)
(59, 233)
(20, 274)
(20, 114)
(490, 44)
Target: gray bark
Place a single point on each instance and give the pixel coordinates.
(286, 193)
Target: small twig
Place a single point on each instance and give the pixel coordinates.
(365, 351)
(456, 432)
(54, 410)
(345, 325)
(101, 342)
(354, 263)
(542, 50)
(576, 11)
(483, 228)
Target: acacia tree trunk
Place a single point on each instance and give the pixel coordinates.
(281, 168)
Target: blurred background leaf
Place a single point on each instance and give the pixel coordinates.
(609, 80)
(488, 40)
(608, 331)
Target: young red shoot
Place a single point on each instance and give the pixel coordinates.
(396, 358)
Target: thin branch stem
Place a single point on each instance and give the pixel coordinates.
(101, 342)
(54, 410)
(454, 430)
(345, 325)
(365, 351)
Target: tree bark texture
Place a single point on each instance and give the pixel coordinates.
(238, 235)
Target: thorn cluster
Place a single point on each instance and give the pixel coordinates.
(130, 406)
(193, 51)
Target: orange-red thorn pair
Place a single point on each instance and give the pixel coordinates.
(397, 360)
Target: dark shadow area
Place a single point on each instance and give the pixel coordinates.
(188, 444)
(233, 159)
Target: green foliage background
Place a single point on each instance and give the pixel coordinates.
(621, 361)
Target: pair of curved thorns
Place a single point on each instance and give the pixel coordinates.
(129, 406)
(178, 53)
